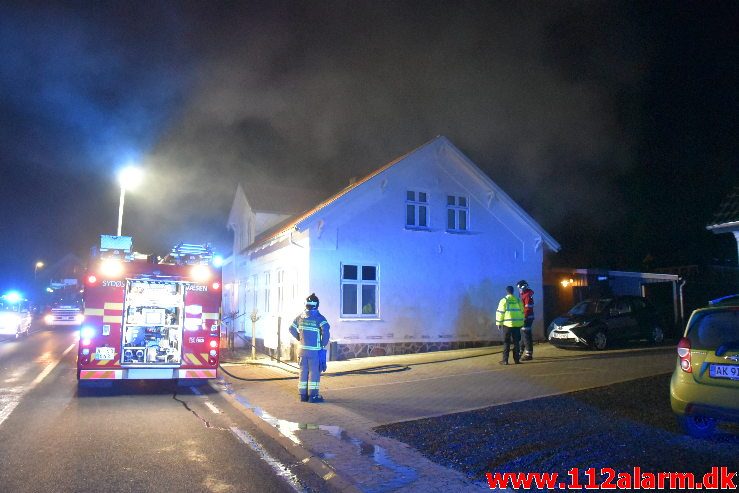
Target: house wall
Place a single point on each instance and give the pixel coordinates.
(436, 289)
(277, 301)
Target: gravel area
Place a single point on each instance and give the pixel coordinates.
(619, 426)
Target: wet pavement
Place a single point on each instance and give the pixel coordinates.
(362, 394)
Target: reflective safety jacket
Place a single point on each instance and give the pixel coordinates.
(527, 298)
(510, 312)
(312, 330)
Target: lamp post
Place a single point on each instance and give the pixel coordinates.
(39, 265)
(128, 178)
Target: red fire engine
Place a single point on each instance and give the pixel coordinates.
(147, 318)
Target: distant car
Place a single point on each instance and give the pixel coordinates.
(15, 318)
(705, 383)
(599, 322)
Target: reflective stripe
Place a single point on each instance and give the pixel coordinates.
(311, 329)
(310, 348)
(313, 385)
(89, 312)
(113, 306)
(302, 385)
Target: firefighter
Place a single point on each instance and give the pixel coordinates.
(312, 330)
(509, 319)
(527, 300)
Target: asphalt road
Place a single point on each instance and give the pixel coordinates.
(131, 437)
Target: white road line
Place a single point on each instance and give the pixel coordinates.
(50, 367)
(213, 408)
(280, 469)
(9, 402)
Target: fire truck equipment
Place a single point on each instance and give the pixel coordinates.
(151, 321)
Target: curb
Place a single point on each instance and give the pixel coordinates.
(322, 469)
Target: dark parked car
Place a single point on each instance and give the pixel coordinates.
(597, 323)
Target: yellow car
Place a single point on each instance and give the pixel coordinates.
(705, 384)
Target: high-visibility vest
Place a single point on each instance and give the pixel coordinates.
(510, 312)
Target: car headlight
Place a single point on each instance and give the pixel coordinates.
(49, 319)
(79, 318)
(9, 319)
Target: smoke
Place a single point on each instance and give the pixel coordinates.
(205, 95)
(316, 93)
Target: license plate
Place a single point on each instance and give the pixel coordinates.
(724, 371)
(103, 353)
(557, 335)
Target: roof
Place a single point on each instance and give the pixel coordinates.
(279, 199)
(291, 224)
(727, 214)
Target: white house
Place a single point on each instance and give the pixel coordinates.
(413, 257)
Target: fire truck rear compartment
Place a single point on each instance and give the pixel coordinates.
(153, 318)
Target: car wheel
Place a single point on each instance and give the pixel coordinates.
(697, 426)
(599, 340)
(658, 335)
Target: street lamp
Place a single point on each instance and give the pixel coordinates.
(129, 178)
(39, 265)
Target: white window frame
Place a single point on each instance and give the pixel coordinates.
(359, 282)
(267, 286)
(457, 210)
(416, 204)
(280, 290)
(255, 292)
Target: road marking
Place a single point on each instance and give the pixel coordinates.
(280, 469)
(10, 401)
(50, 367)
(213, 408)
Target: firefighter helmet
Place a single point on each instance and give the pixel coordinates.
(311, 301)
(522, 284)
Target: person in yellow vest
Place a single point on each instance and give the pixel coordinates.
(509, 319)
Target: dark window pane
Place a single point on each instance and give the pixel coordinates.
(463, 220)
(369, 273)
(349, 299)
(450, 219)
(350, 272)
(422, 196)
(449, 200)
(369, 301)
(410, 215)
(422, 216)
(463, 201)
(410, 195)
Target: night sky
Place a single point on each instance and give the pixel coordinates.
(614, 124)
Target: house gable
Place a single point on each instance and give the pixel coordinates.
(439, 152)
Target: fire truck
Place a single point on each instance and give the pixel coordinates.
(150, 318)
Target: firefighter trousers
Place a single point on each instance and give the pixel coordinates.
(310, 373)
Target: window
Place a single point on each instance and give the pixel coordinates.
(457, 213)
(359, 285)
(416, 210)
(254, 292)
(280, 290)
(266, 292)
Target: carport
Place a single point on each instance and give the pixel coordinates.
(565, 287)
